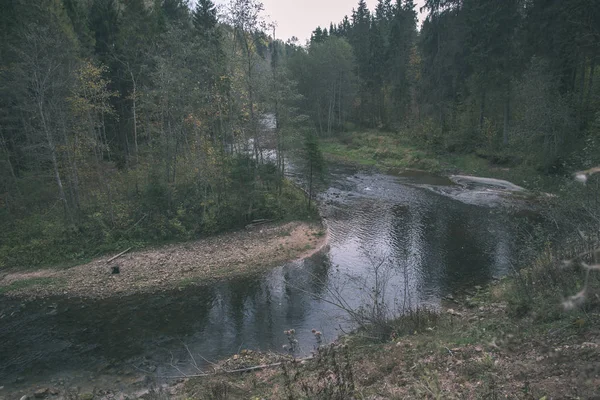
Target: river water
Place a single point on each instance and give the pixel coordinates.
(432, 238)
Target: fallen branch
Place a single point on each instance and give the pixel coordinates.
(234, 371)
(137, 223)
(258, 222)
(118, 255)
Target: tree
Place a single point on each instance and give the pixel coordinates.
(326, 79)
(42, 80)
(359, 38)
(317, 36)
(175, 10)
(205, 17)
(131, 64)
(491, 28)
(245, 17)
(104, 22)
(314, 162)
(285, 99)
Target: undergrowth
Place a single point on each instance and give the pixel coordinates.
(42, 239)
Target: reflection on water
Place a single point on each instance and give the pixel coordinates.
(432, 243)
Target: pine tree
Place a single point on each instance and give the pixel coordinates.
(79, 19)
(104, 22)
(205, 16)
(333, 30)
(315, 163)
(360, 40)
(317, 36)
(175, 10)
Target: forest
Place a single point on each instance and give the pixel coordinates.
(487, 76)
(127, 123)
(135, 122)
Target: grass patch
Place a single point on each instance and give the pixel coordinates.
(383, 150)
(390, 151)
(27, 283)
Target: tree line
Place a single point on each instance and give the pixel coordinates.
(512, 80)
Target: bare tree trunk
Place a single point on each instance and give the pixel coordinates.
(482, 110)
(9, 163)
(54, 159)
(111, 209)
(135, 135)
(61, 191)
(506, 117)
(99, 155)
(329, 117)
(73, 176)
(253, 121)
(340, 121)
(310, 185)
(439, 70)
(168, 162)
(104, 137)
(75, 173)
(319, 118)
(581, 89)
(590, 84)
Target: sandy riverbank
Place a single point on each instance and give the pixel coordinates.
(199, 262)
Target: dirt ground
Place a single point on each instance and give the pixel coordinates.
(232, 254)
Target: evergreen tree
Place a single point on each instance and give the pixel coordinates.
(205, 17)
(317, 36)
(360, 39)
(314, 162)
(104, 22)
(79, 19)
(175, 10)
(333, 29)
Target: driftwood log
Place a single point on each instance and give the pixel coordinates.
(258, 222)
(238, 371)
(118, 255)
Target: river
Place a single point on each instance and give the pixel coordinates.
(433, 237)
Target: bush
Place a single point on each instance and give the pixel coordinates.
(153, 213)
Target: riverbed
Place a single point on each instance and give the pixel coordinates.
(423, 236)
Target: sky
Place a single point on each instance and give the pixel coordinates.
(300, 17)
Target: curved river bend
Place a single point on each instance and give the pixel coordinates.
(434, 237)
